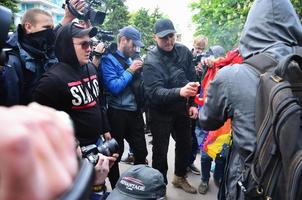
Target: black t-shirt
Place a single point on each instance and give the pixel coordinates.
(74, 90)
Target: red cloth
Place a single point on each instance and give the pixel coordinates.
(232, 57)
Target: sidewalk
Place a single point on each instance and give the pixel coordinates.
(172, 192)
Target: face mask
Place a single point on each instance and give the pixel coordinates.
(42, 40)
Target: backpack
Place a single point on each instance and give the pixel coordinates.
(276, 169)
(136, 85)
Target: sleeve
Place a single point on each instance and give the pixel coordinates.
(47, 92)
(13, 81)
(106, 125)
(113, 82)
(154, 84)
(217, 106)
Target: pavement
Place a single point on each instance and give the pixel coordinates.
(172, 192)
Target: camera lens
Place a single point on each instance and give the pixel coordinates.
(109, 147)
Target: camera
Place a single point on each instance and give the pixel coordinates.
(95, 17)
(5, 21)
(107, 148)
(106, 37)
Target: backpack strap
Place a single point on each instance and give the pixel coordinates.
(121, 60)
(261, 63)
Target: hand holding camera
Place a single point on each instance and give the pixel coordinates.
(91, 152)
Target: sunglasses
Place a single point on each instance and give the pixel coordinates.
(85, 44)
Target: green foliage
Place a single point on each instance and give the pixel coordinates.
(222, 20)
(11, 4)
(144, 22)
(117, 15)
(298, 6)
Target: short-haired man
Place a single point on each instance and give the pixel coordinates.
(118, 71)
(169, 83)
(32, 53)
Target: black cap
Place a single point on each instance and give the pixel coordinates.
(163, 27)
(78, 31)
(138, 183)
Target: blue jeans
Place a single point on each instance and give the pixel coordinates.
(206, 160)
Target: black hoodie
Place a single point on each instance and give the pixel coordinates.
(72, 88)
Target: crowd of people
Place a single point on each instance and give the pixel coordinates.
(85, 98)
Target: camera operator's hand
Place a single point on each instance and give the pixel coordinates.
(103, 166)
(136, 64)
(37, 153)
(189, 90)
(68, 17)
(193, 112)
(99, 49)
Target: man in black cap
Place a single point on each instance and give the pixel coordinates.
(72, 85)
(119, 73)
(169, 85)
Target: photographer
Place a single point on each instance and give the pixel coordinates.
(32, 53)
(119, 72)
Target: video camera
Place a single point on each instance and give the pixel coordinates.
(107, 148)
(95, 17)
(106, 37)
(5, 21)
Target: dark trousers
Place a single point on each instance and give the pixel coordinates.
(127, 125)
(206, 163)
(195, 147)
(162, 125)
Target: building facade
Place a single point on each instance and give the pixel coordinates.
(54, 7)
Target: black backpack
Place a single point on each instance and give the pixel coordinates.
(276, 169)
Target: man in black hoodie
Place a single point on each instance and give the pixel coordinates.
(72, 84)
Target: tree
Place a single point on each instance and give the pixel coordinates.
(11, 4)
(144, 22)
(117, 15)
(222, 20)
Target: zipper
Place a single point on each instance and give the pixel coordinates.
(295, 175)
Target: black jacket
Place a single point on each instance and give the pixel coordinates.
(72, 88)
(164, 74)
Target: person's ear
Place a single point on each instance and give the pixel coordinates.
(154, 37)
(28, 27)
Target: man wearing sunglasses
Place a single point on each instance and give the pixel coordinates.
(118, 71)
(169, 84)
(72, 85)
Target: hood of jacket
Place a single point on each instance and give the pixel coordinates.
(273, 27)
(64, 48)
